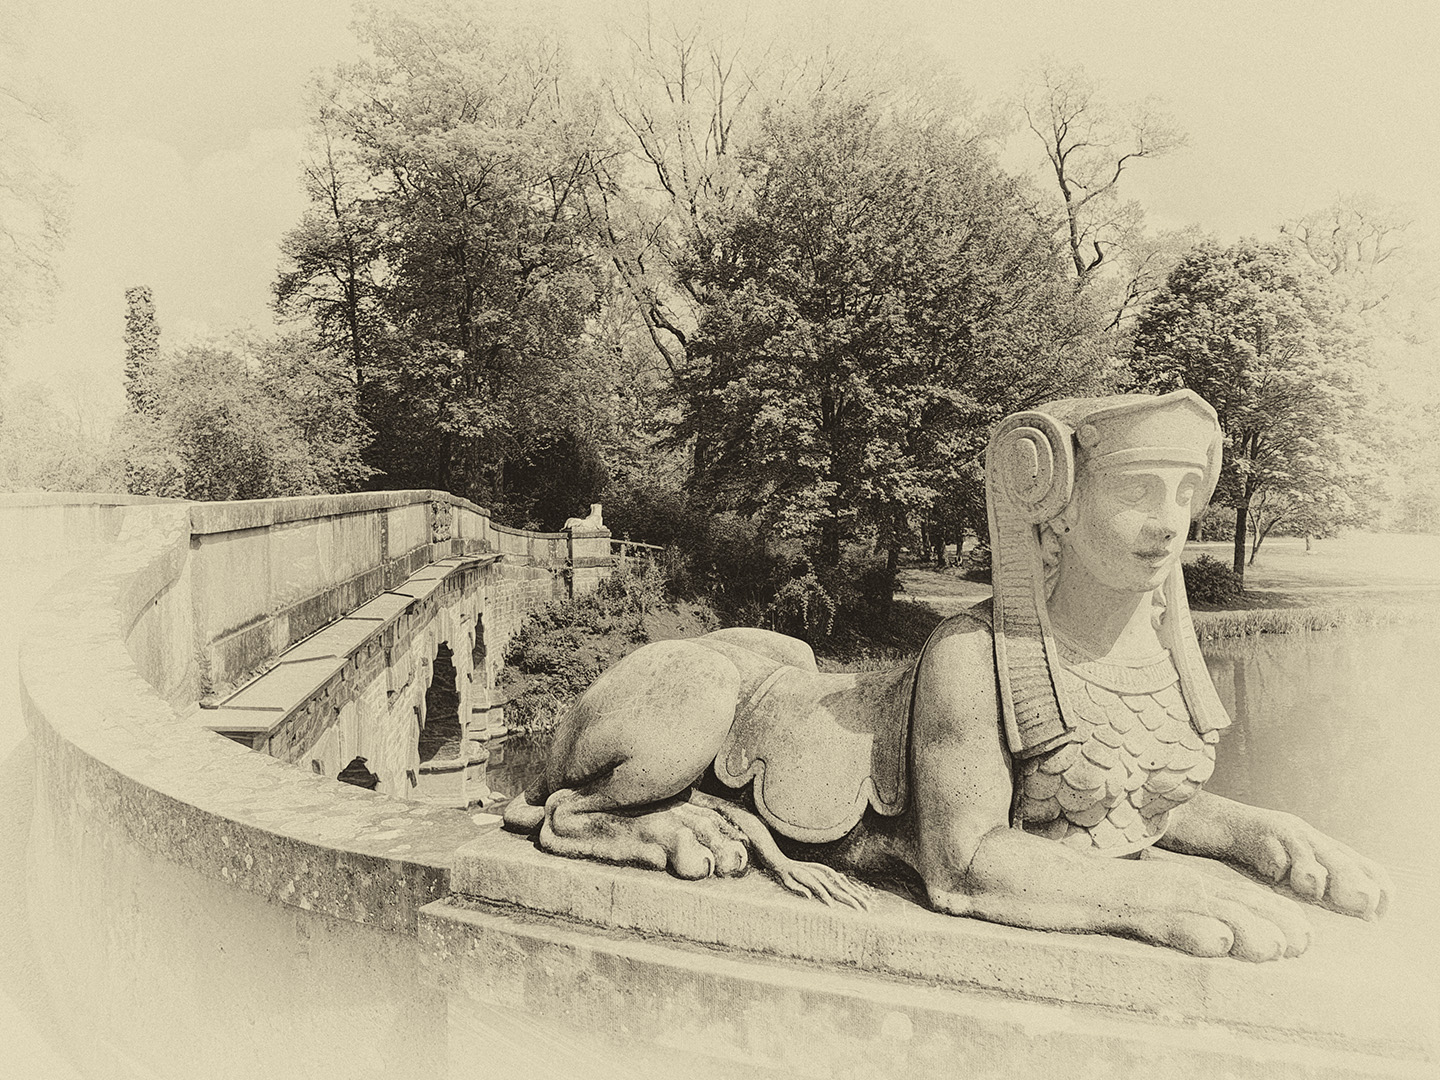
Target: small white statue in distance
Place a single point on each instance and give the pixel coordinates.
(592, 520)
(1018, 771)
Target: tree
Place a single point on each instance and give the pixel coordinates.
(882, 299)
(335, 253)
(1417, 504)
(1360, 242)
(1263, 336)
(689, 95)
(1354, 240)
(1089, 146)
(1316, 499)
(686, 95)
(247, 419)
(55, 442)
(448, 250)
(1143, 263)
(142, 347)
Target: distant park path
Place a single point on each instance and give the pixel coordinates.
(1380, 568)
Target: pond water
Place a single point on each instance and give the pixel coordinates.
(515, 760)
(1343, 729)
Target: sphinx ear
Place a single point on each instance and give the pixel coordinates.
(1030, 466)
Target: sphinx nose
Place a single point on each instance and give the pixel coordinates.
(1159, 533)
(1170, 522)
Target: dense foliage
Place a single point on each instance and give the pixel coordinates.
(447, 255)
(885, 295)
(1209, 581)
(246, 420)
(561, 649)
(47, 443)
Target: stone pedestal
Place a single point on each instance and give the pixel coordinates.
(737, 977)
(590, 561)
(457, 782)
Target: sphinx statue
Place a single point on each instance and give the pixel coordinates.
(1019, 770)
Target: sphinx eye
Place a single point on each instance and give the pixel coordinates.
(1130, 490)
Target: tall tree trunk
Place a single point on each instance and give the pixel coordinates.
(1242, 512)
(892, 576)
(830, 541)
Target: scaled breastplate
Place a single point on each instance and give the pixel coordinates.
(1136, 757)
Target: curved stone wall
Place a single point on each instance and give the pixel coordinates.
(443, 948)
(118, 654)
(99, 670)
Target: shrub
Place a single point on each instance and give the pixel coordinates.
(801, 607)
(862, 586)
(975, 563)
(653, 511)
(1209, 581)
(562, 648)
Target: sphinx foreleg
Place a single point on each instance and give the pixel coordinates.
(626, 757)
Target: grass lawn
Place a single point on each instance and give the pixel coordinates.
(1358, 578)
(1376, 567)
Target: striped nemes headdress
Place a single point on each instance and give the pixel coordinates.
(1030, 470)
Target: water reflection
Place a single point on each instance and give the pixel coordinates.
(1340, 728)
(515, 761)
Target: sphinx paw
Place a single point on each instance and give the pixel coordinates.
(702, 838)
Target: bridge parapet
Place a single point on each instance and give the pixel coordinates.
(269, 573)
(309, 628)
(170, 593)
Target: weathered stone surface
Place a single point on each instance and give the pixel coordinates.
(113, 747)
(594, 1001)
(610, 970)
(1342, 996)
(1090, 501)
(268, 573)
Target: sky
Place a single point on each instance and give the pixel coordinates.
(189, 120)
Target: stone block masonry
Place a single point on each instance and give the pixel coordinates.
(265, 575)
(354, 689)
(152, 614)
(366, 697)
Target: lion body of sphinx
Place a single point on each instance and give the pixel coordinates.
(816, 751)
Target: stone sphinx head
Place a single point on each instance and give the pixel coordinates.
(1106, 488)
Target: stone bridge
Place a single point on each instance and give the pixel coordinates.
(203, 898)
(327, 630)
(321, 630)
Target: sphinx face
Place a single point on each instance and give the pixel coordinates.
(1128, 523)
